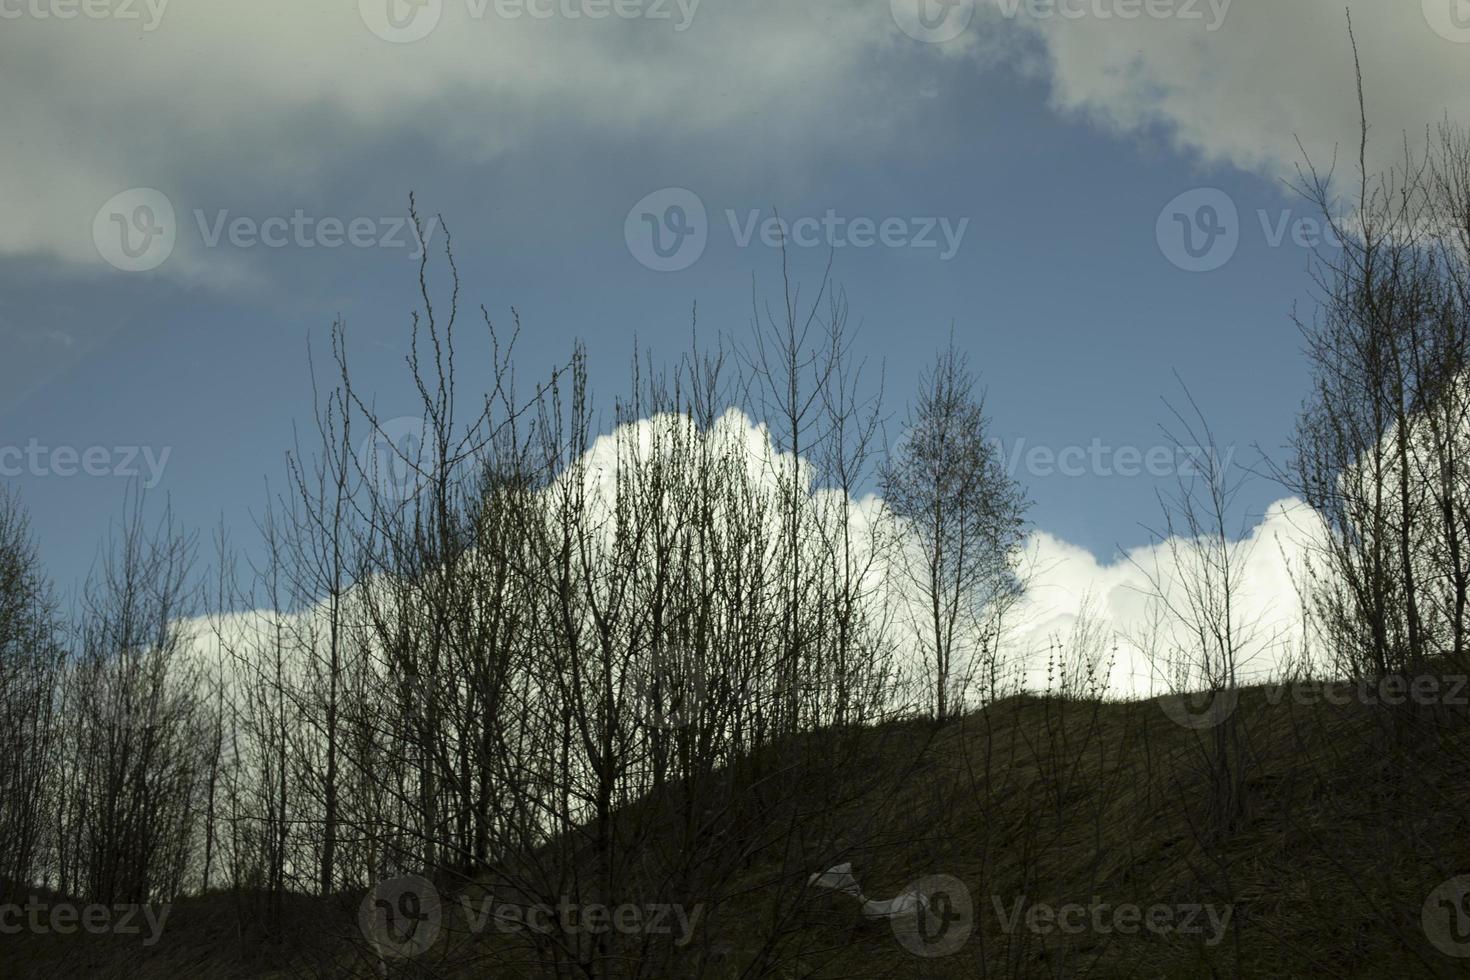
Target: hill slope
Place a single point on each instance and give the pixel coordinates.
(1075, 837)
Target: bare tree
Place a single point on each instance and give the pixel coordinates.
(1380, 444)
(962, 516)
(1204, 636)
(31, 660)
(133, 766)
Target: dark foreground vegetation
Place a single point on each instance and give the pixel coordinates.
(1351, 815)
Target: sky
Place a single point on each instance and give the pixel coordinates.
(1095, 196)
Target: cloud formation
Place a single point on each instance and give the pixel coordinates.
(1065, 584)
(213, 102)
(1068, 584)
(216, 101)
(1269, 74)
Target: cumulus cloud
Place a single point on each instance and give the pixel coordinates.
(1068, 584)
(1065, 584)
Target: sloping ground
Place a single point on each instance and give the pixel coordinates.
(1082, 839)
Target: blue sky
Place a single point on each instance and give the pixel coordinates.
(1060, 141)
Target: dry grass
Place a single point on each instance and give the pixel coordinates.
(1348, 816)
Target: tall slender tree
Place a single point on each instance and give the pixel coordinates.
(964, 517)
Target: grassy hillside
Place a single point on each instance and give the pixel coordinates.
(1338, 823)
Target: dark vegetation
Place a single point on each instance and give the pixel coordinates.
(1352, 815)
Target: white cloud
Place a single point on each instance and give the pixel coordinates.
(1271, 73)
(223, 99)
(1064, 582)
(1067, 582)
